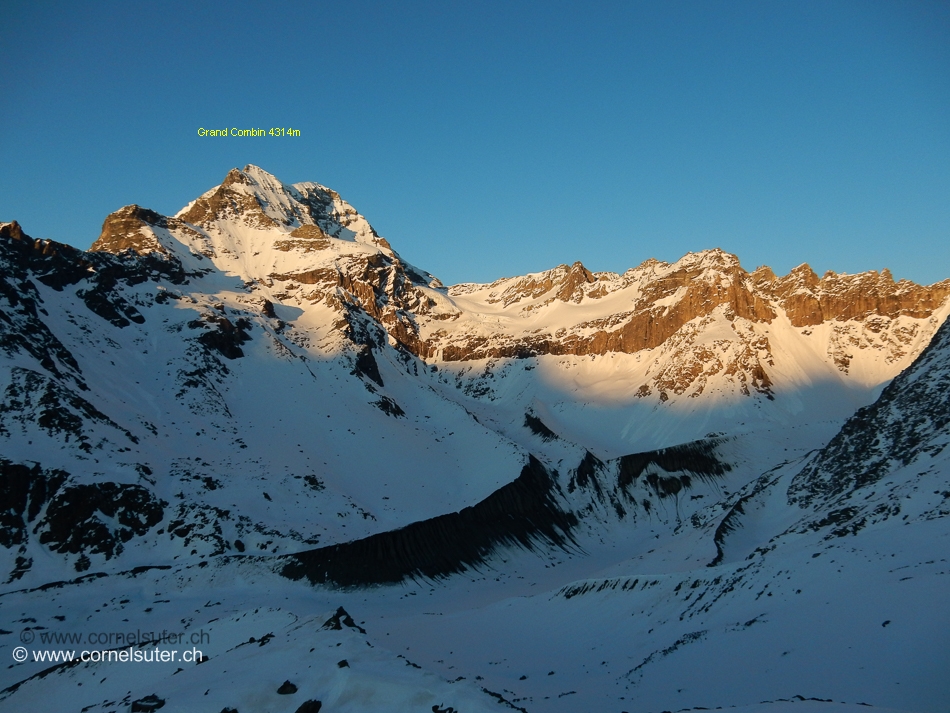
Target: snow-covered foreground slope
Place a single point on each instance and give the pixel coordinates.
(807, 609)
(559, 492)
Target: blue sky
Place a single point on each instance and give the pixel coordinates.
(492, 139)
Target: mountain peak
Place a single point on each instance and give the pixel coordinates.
(131, 228)
(259, 182)
(252, 197)
(13, 230)
(714, 258)
(298, 219)
(259, 175)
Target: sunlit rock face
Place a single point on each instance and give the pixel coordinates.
(700, 321)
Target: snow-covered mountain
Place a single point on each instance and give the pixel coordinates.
(661, 335)
(241, 417)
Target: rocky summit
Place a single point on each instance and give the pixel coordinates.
(686, 486)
